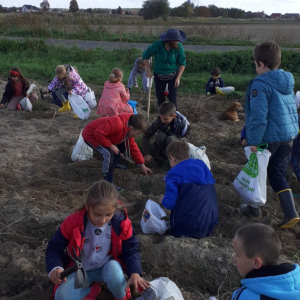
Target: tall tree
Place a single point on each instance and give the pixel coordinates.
(45, 6)
(152, 9)
(73, 6)
(119, 10)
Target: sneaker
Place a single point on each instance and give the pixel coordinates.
(119, 166)
(250, 211)
(118, 188)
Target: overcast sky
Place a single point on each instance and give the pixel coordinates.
(268, 6)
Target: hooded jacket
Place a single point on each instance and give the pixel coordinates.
(191, 197)
(114, 100)
(109, 131)
(271, 115)
(276, 282)
(9, 90)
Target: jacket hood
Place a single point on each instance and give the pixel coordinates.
(125, 119)
(194, 170)
(112, 85)
(285, 286)
(279, 80)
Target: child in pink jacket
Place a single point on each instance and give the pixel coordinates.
(114, 99)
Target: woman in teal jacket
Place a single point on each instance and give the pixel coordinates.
(169, 63)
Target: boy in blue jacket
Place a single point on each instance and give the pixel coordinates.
(190, 194)
(271, 118)
(257, 248)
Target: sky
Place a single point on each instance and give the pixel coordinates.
(268, 6)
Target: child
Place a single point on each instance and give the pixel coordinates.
(108, 244)
(170, 126)
(114, 97)
(110, 136)
(214, 81)
(257, 248)
(271, 119)
(15, 90)
(68, 80)
(139, 68)
(190, 194)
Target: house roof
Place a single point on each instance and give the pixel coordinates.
(30, 6)
(275, 15)
(291, 15)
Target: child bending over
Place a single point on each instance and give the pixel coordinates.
(190, 194)
(114, 97)
(257, 249)
(214, 81)
(169, 126)
(110, 136)
(15, 90)
(108, 244)
(139, 69)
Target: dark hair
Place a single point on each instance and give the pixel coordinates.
(215, 72)
(23, 79)
(178, 149)
(173, 44)
(101, 193)
(260, 240)
(268, 53)
(138, 122)
(167, 109)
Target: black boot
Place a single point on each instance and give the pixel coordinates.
(291, 216)
(109, 177)
(250, 211)
(117, 165)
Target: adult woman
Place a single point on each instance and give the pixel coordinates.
(169, 63)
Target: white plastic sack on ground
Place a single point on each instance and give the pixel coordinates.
(162, 289)
(297, 99)
(251, 181)
(79, 106)
(151, 219)
(227, 89)
(81, 150)
(26, 104)
(199, 153)
(90, 99)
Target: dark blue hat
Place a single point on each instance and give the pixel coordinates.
(173, 34)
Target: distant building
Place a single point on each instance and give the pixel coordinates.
(250, 14)
(275, 16)
(29, 8)
(291, 16)
(134, 13)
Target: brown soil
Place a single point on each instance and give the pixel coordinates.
(40, 186)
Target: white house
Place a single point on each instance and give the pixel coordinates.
(29, 8)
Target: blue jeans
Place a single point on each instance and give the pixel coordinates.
(111, 273)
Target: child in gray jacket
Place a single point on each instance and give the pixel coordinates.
(139, 68)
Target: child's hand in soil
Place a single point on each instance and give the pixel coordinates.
(2, 105)
(161, 198)
(136, 280)
(55, 276)
(146, 170)
(148, 158)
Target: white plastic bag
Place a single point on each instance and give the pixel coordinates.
(227, 89)
(162, 289)
(151, 219)
(26, 104)
(90, 99)
(251, 181)
(79, 106)
(297, 99)
(199, 153)
(81, 150)
(148, 82)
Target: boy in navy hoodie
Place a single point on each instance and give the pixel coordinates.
(190, 194)
(257, 248)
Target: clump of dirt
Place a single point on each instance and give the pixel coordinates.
(40, 186)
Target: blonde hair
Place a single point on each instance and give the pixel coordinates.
(115, 75)
(61, 70)
(101, 193)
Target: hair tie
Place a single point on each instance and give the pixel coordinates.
(14, 73)
(113, 75)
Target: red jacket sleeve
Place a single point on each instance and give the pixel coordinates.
(110, 128)
(135, 152)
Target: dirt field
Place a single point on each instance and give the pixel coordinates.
(40, 186)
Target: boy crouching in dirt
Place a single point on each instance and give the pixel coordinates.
(170, 125)
(190, 194)
(257, 248)
(110, 136)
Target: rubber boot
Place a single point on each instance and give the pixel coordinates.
(95, 291)
(66, 106)
(127, 295)
(109, 177)
(117, 165)
(291, 216)
(75, 116)
(250, 211)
